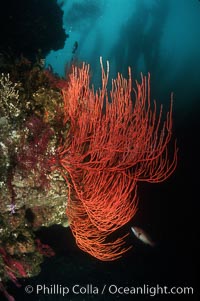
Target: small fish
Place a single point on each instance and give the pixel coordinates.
(75, 47)
(143, 236)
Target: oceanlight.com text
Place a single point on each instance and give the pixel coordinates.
(108, 289)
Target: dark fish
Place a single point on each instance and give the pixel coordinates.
(75, 47)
